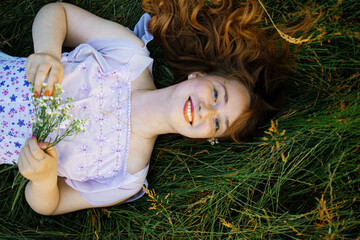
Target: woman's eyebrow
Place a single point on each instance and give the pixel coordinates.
(225, 95)
(226, 98)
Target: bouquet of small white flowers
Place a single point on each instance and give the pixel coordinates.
(51, 113)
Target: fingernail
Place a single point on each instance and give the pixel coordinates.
(32, 137)
(36, 94)
(47, 93)
(41, 143)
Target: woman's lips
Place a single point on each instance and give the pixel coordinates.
(189, 111)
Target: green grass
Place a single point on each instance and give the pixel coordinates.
(297, 180)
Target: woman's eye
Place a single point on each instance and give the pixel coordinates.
(215, 95)
(217, 124)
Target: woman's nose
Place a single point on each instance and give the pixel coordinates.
(206, 111)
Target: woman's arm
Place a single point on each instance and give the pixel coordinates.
(46, 193)
(71, 200)
(48, 198)
(40, 167)
(59, 24)
(83, 26)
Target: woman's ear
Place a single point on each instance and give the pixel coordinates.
(195, 75)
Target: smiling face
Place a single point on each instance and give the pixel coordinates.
(205, 105)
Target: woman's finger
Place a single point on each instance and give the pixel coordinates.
(28, 155)
(35, 150)
(22, 163)
(54, 77)
(41, 74)
(28, 66)
(61, 75)
(51, 151)
(60, 78)
(27, 162)
(30, 71)
(25, 167)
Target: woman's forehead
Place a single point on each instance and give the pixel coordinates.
(238, 99)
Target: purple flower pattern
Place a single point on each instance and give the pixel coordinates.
(84, 90)
(110, 95)
(119, 108)
(84, 107)
(118, 86)
(85, 149)
(83, 67)
(118, 150)
(101, 140)
(119, 129)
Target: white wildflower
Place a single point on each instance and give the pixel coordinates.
(48, 111)
(51, 115)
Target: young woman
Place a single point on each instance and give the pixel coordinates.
(229, 65)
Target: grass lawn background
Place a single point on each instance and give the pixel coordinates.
(298, 179)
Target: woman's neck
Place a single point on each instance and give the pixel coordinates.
(149, 110)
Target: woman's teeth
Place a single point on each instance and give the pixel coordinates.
(189, 111)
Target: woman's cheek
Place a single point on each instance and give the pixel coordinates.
(204, 130)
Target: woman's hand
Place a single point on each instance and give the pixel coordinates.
(36, 164)
(40, 167)
(40, 65)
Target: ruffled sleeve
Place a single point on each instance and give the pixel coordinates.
(141, 29)
(113, 54)
(116, 53)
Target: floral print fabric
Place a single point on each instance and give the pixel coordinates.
(16, 110)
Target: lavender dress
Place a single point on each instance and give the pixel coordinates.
(98, 75)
